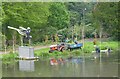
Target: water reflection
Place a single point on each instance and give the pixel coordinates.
(72, 67)
(26, 65)
(58, 61)
(77, 60)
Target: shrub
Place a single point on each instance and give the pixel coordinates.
(9, 56)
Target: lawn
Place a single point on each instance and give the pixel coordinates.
(88, 48)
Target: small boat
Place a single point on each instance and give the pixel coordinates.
(104, 51)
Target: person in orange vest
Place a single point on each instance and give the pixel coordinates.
(94, 42)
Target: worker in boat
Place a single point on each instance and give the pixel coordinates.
(97, 52)
(97, 49)
(108, 49)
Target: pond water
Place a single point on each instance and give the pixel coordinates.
(106, 66)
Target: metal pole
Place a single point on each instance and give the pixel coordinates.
(83, 26)
(100, 48)
(100, 41)
(83, 35)
(83, 51)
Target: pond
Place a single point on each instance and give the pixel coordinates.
(104, 66)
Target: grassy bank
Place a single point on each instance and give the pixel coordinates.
(88, 48)
(65, 53)
(9, 56)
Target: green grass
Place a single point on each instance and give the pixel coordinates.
(9, 56)
(88, 48)
(112, 44)
(42, 52)
(45, 53)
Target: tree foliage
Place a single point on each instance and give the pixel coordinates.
(33, 15)
(47, 18)
(59, 17)
(105, 15)
(42, 18)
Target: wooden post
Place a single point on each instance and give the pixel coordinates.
(13, 44)
(5, 44)
(73, 33)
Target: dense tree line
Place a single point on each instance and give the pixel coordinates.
(105, 16)
(42, 18)
(46, 19)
